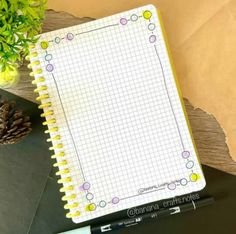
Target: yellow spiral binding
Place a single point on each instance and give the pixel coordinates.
(38, 80)
(38, 71)
(31, 46)
(50, 121)
(42, 97)
(40, 88)
(68, 188)
(68, 198)
(57, 146)
(61, 163)
(58, 155)
(35, 63)
(64, 180)
(53, 130)
(47, 113)
(70, 206)
(45, 105)
(55, 138)
(31, 55)
(73, 215)
(63, 172)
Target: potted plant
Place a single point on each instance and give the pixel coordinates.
(20, 22)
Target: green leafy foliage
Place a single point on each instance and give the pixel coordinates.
(20, 22)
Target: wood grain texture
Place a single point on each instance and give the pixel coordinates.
(209, 137)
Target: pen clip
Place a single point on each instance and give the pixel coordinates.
(106, 228)
(175, 210)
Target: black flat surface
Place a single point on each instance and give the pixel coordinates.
(214, 219)
(30, 201)
(24, 168)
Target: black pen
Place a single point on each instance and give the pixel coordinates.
(124, 223)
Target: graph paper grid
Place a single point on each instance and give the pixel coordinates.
(119, 114)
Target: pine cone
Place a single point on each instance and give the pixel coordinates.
(14, 126)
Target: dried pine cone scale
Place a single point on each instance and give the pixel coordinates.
(14, 125)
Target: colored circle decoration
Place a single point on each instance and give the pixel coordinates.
(190, 164)
(86, 186)
(194, 177)
(185, 154)
(134, 17)
(48, 57)
(70, 36)
(152, 39)
(147, 14)
(44, 45)
(171, 186)
(102, 204)
(123, 21)
(89, 196)
(151, 27)
(57, 40)
(183, 182)
(115, 200)
(92, 207)
(49, 67)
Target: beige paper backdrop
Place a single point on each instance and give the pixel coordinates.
(202, 38)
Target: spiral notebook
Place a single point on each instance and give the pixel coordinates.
(115, 118)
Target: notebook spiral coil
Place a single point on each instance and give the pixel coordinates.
(55, 137)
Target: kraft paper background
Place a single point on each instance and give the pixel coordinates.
(202, 38)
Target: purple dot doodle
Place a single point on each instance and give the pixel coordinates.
(123, 21)
(86, 186)
(152, 38)
(70, 36)
(115, 200)
(49, 67)
(172, 186)
(185, 154)
(190, 164)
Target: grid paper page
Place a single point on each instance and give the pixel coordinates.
(119, 114)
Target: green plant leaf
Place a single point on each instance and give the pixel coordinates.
(4, 5)
(20, 22)
(6, 33)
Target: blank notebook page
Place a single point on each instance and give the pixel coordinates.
(122, 125)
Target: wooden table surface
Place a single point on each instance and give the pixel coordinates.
(209, 137)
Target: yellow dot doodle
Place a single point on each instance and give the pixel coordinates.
(91, 207)
(147, 14)
(194, 177)
(44, 45)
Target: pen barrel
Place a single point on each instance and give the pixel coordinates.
(193, 205)
(116, 225)
(204, 202)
